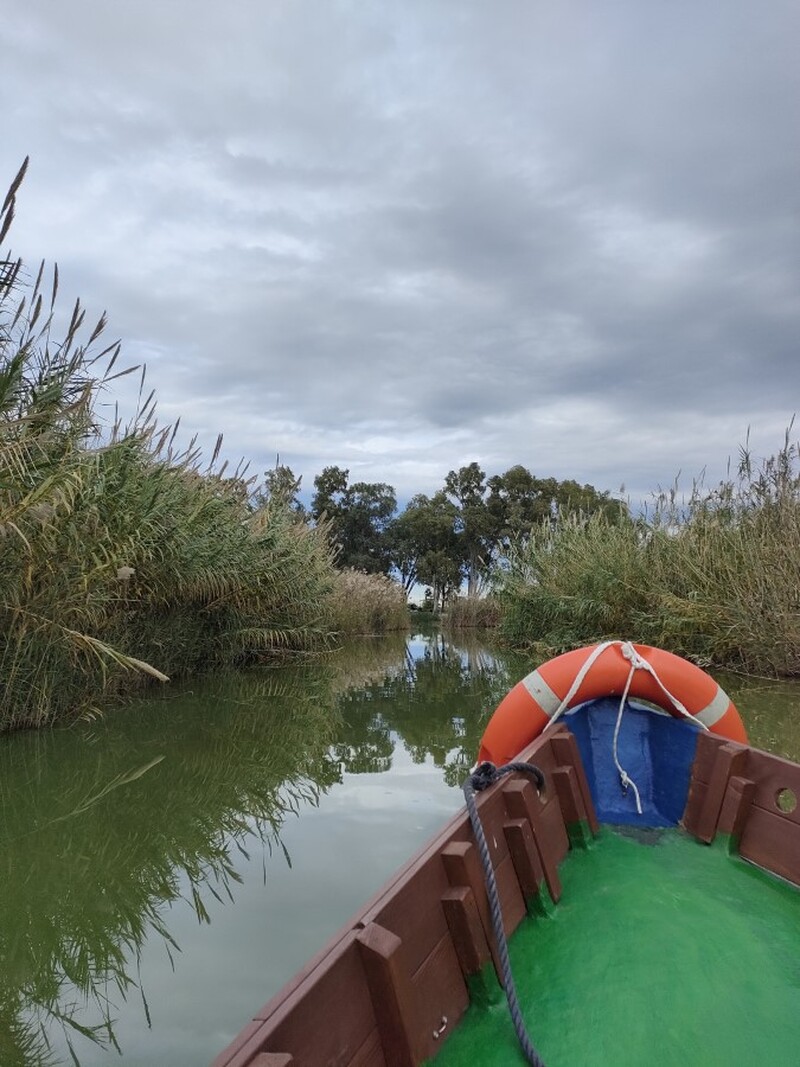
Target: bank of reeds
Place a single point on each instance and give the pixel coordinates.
(472, 613)
(123, 558)
(366, 604)
(716, 578)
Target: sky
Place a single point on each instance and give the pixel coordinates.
(402, 237)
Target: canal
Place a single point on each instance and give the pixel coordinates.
(168, 866)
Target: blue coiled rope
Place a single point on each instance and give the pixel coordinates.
(483, 776)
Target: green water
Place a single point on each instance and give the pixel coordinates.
(165, 869)
(666, 953)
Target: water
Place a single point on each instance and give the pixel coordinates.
(170, 866)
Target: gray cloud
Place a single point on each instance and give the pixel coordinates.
(403, 238)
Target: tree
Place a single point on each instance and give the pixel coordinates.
(331, 489)
(406, 536)
(424, 545)
(475, 525)
(572, 498)
(359, 516)
(442, 572)
(518, 502)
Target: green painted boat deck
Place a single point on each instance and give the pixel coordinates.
(661, 951)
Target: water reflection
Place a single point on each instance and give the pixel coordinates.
(106, 826)
(94, 855)
(770, 710)
(436, 704)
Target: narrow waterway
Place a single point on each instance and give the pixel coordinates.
(168, 867)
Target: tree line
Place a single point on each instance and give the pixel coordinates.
(456, 535)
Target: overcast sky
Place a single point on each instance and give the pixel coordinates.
(399, 237)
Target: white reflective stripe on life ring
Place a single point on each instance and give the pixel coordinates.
(714, 711)
(541, 693)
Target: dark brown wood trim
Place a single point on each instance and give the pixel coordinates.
(773, 842)
(525, 857)
(736, 808)
(731, 759)
(466, 929)
(565, 781)
(463, 866)
(523, 802)
(390, 991)
(247, 1044)
(565, 751)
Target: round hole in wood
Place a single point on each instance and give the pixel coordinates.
(786, 800)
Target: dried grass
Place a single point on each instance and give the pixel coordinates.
(366, 604)
(472, 613)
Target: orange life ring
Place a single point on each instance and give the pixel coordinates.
(527, 709)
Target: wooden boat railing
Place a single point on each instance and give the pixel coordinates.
(391, 985)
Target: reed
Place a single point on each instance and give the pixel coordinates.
(472, 613)
(366, 604)
(573, 581)
(715, 577)
(123, 558)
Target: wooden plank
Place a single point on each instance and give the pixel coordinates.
(413, 913)
(463, 866)
(466, 929)
(390, 991)
(370, 1054)
(440, 997)
(704, 759)
(773, 842)
(528, 867)
(339, 1000)
(569, 797)
(773, 775)
(570, 800)
(566, 751)
(512, 902)
(273, 1059)
(547, 824)
(705, 755)
(525, 856)
(730, 759)
(736, 809)
(694, 805)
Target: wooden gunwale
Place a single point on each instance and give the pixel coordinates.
(735, 790)
(413, 945)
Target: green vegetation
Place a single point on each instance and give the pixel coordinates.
(121, 558)
(716, 579)
(125, 558)
(358, 516)
(458, 534)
